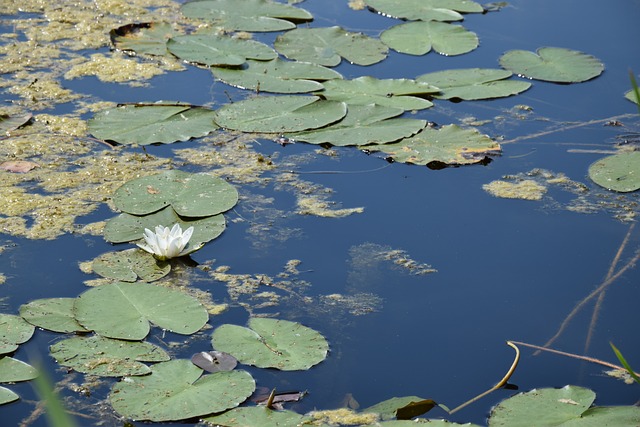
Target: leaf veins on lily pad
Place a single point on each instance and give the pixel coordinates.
(272, 343)
(553, 64)
(213, 49)
(418, 38)
(449, 145)
(54, 314)
(146, 124)
(474, 83)
(129, 265)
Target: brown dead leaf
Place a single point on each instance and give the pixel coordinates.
(18, 166)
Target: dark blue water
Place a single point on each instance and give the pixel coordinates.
(507, 269)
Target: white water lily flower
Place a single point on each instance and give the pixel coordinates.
(166, 243)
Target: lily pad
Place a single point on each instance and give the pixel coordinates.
(418, 38)
(147, 38)
(123, 310)
(364, 124)
(7, 396)
(631, 96)
(280, 114)
(54, 314)
(474, 83)
(14, 370)
(388, 408)
(395, 93)
(177, 390)
(213, 49)
(449, 145)
(191, 195)
(146, 124)
(567, 406)
(258, 416)
(326, 46)
(553, 64)
(14, 330)
(214, 361)
(129, 228)
(129, 265)
(620, 172)
(425, 10)
(276, 76)
(13, 122)
(247, 15)
(272, 343)
(106, 357)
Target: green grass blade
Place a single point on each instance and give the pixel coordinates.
(617, 352)
(636, 91)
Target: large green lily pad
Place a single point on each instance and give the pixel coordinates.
(418, 38)
(449, 145)
(106, 357)
(620, 172)
(395, 93)
(327, 46)
(190, 195)
(213, 49)
(388, 408)
(123, 310)
(280, 114)
(567, 406)
(553, 64)
(276, 76)
(144, 38)
(14, 370)
(425, 10)
(247, 15)
(364, 124)
(177, 390)
(54, 314)
(129, 265)
(146, 124)
(7, 396)
(14, 330)
(272, 343)
(257, 416)
(474, 83)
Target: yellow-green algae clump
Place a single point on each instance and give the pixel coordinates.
(526, 190)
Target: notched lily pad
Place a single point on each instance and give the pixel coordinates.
(147, 37)
(123, 310)
(213, 49)
(418, 38)
(146, 124)
(620, 172)
(449, 145)
(190, 195)
(280, 114)
(425, 10)
(474, 83)
(106, 357)
(54, 314)
(14, 330)
(553, 64)
(272, 343)
(177, 390)
(247, 15)
(129, 265)
(326, 46)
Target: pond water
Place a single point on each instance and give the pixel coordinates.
(507, 269)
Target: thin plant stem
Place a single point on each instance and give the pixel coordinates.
(500, 384)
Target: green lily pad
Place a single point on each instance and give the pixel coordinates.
(474, 83)
(272, 343)
(129, 228)
(387, 409)
(425, 10)
(395, 93)
(146, 124)
(14, 370)
(144, 38)
(280, 114)
(418, 38)
(257, 416)
(620, 172)
(7, 396)
(364, 124)
(631, 96)
(14, 330)
(191, 195)
(177, 390)
(123, 310)
(276, 76)
(247, 15)
(449, 145)
(106, 357)
(129, 265)
(54, 314)
(213, 49)
(326, 46)
(553, 64)
(13, 122)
